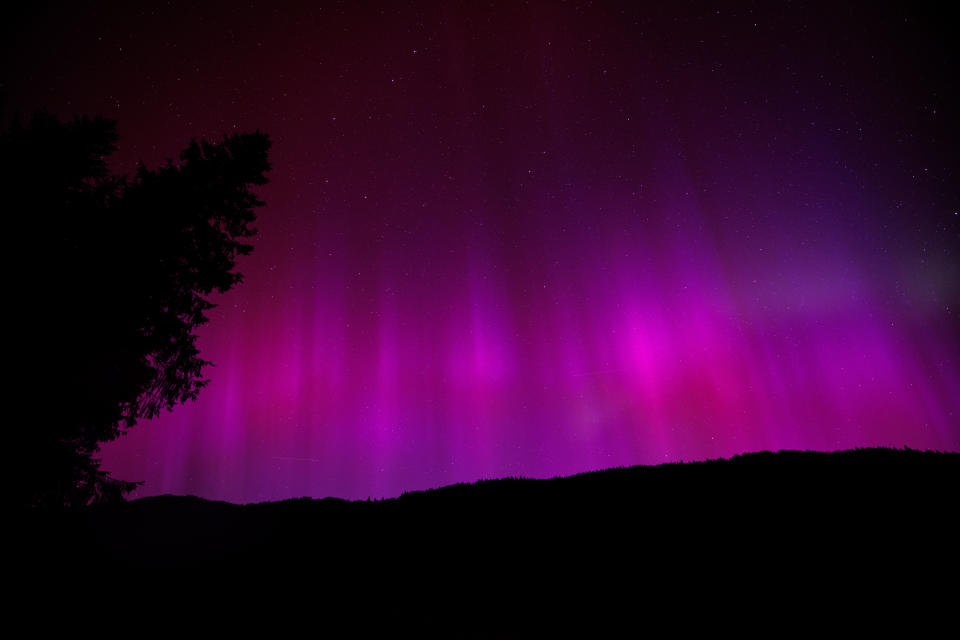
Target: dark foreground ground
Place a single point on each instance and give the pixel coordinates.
(882, 519)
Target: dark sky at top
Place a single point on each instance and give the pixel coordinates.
(537, 238)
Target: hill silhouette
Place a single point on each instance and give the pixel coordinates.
(847, 502)
(587, 555)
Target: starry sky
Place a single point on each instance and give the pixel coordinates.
(540, 238)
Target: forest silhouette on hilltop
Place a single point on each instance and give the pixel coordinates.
(855, 500)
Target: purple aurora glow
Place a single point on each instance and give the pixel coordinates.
(539, 239)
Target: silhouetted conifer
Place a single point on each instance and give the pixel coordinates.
(111, 280)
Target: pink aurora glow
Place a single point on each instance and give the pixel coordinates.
(650, 348)
(541, 238)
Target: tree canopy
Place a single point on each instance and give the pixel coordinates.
(114, 276)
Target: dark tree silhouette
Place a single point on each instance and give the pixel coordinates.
(115, 278)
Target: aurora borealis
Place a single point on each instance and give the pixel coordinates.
(541, 238)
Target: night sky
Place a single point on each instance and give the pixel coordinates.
(540, 238)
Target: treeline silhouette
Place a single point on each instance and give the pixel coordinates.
(805, 500)
(599, 554)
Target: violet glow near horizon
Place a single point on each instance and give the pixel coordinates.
(543, 239)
